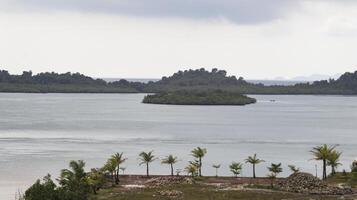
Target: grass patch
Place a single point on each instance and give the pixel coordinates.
(344, 178)
(200, 192)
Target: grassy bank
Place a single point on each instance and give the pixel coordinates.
(203, 189)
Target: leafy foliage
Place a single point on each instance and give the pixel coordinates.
(146, 158)
(293, 168)
(199, 153)
(74, 184)
(217, 97)
(333, 160)
(254, 161)
(170, 160)
(188, 80)
(46, 189)
(236, 168)
(323, 153)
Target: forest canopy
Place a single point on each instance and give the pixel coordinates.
(189, 80)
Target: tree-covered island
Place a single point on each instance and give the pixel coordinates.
(210, 97)
(188, 80)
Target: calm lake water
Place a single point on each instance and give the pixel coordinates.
(41, 133)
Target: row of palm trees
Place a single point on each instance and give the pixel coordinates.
(327, 154)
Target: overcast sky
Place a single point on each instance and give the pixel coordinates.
(257, 39)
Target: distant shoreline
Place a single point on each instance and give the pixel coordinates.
(188, 80)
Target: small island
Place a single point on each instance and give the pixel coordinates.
(216, 97)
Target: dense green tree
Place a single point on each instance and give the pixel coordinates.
(95, 180)
(199, 79)
(44, 190)
(73, 181)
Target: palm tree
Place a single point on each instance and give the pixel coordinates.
(199, 153)
(191, 169)
(236, 168)
(322, 153)
(254, 161)
(123, 169)
(354, 166)
(333, 160)
(274, 169)
(293, 168)
(146, 158)
(170, 160)
(95, 180)
(74, 180)
(118, 160)
(216, 166)
(110, 167)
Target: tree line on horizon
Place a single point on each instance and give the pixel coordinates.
(76, 184)
(199, 79)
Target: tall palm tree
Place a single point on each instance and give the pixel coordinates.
(199, 153)
(118, 159)
(146, 158)
(254, 161)
(236, 168)
(333, 160)
(322, 153)
(216, 166)
(170, 160)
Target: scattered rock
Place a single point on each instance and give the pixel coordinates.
(166, 181)
(172, 194)
(307, 183)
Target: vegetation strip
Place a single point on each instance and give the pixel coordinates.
(105, 182)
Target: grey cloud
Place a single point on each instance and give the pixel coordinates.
(237, 11)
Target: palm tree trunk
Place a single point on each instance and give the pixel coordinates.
(147, 169)
(200, 167)
(172, 170)
(324, 169)
(113, 177)
(333, 171)
(117, 176)
(253, 170)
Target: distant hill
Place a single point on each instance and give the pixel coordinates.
(315, 77)
(199, 80)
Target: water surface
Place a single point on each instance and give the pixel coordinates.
(41, 133)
